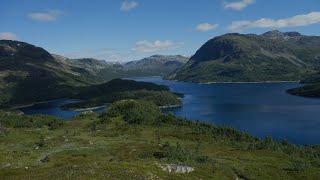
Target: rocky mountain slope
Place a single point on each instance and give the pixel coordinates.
(272, 56)
(156, 65)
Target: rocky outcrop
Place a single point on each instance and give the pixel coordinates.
(174, 168)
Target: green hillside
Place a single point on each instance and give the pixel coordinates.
(134, 140)
(30, 74)
(273, 56)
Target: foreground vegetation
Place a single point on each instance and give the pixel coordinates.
(134, 140)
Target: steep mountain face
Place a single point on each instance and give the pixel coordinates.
(272, 56)
(156, 65)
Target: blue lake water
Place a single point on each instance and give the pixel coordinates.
(53, 108)
(263, 109)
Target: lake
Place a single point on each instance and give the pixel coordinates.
(261, 109)
(53, 108)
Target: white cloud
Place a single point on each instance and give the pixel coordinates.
(8, 36)
(298, 20)
(128, 5)
(206, 27)
(148, 47)
(239, 5)
(45, 16)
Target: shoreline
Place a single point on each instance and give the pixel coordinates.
(170, 106)
(88, 109)
(29, 105)
(247, 82)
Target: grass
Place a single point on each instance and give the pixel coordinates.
(91, 147)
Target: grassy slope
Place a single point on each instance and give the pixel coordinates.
(107, 146)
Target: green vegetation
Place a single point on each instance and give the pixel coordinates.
(134, 140)
(311, 90)
(273, 56)
(311, 87)
(30, 74)
(160, 98)
(118, 89)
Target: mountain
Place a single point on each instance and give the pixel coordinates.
(158, 65)
(272, 56)
(30, 74)
(98, 70)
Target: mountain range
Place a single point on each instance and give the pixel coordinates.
(272, 56)
(31, 74)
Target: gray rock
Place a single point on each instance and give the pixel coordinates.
(174, 168)
(45, 159)
(6, 165)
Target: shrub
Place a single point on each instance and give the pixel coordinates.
(135, 112)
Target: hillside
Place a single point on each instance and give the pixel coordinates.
(134, 140)
(157, 65)
(29, 74)
(272, 56)
(97, 70)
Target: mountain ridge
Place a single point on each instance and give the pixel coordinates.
(234, 57)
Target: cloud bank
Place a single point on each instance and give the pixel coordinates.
(206, 27)
(128, 5)
(295, 21)
(46, 16)
(239, 5)
(156, 46)
(8, 36)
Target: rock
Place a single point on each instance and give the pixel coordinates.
(45, 159)
(3, 130)
(6, 165)
(174, 168)
(86, 112)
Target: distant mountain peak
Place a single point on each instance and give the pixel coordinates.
(23, 51)
(276, 34)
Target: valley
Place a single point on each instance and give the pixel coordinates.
(230, 111)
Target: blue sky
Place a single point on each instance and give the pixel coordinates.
(119, 30)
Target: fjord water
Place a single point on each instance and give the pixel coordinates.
(261, 109)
